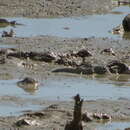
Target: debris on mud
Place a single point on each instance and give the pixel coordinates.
(28, 84)
(118, 67)
(26, 122)
(75, 60)
(101, 116)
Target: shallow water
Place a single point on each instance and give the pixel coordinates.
(13, 109)
(86, 26)
(67, 87)
(114, 126)
(64, 88)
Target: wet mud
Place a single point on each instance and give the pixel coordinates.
(53, 8)
(38, 57)
(18, 64)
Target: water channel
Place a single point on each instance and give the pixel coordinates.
(101, 25)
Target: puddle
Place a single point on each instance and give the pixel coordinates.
(114, 126)
(87, 26)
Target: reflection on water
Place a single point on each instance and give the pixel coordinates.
(30, 91)
(87, 26)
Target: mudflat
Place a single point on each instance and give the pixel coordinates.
(53, 8)
(56, 113)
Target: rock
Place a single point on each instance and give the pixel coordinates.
(126, 23)
(28, 84)
(118, 67)
(26, 122)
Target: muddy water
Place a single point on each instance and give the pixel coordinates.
(87, 26)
